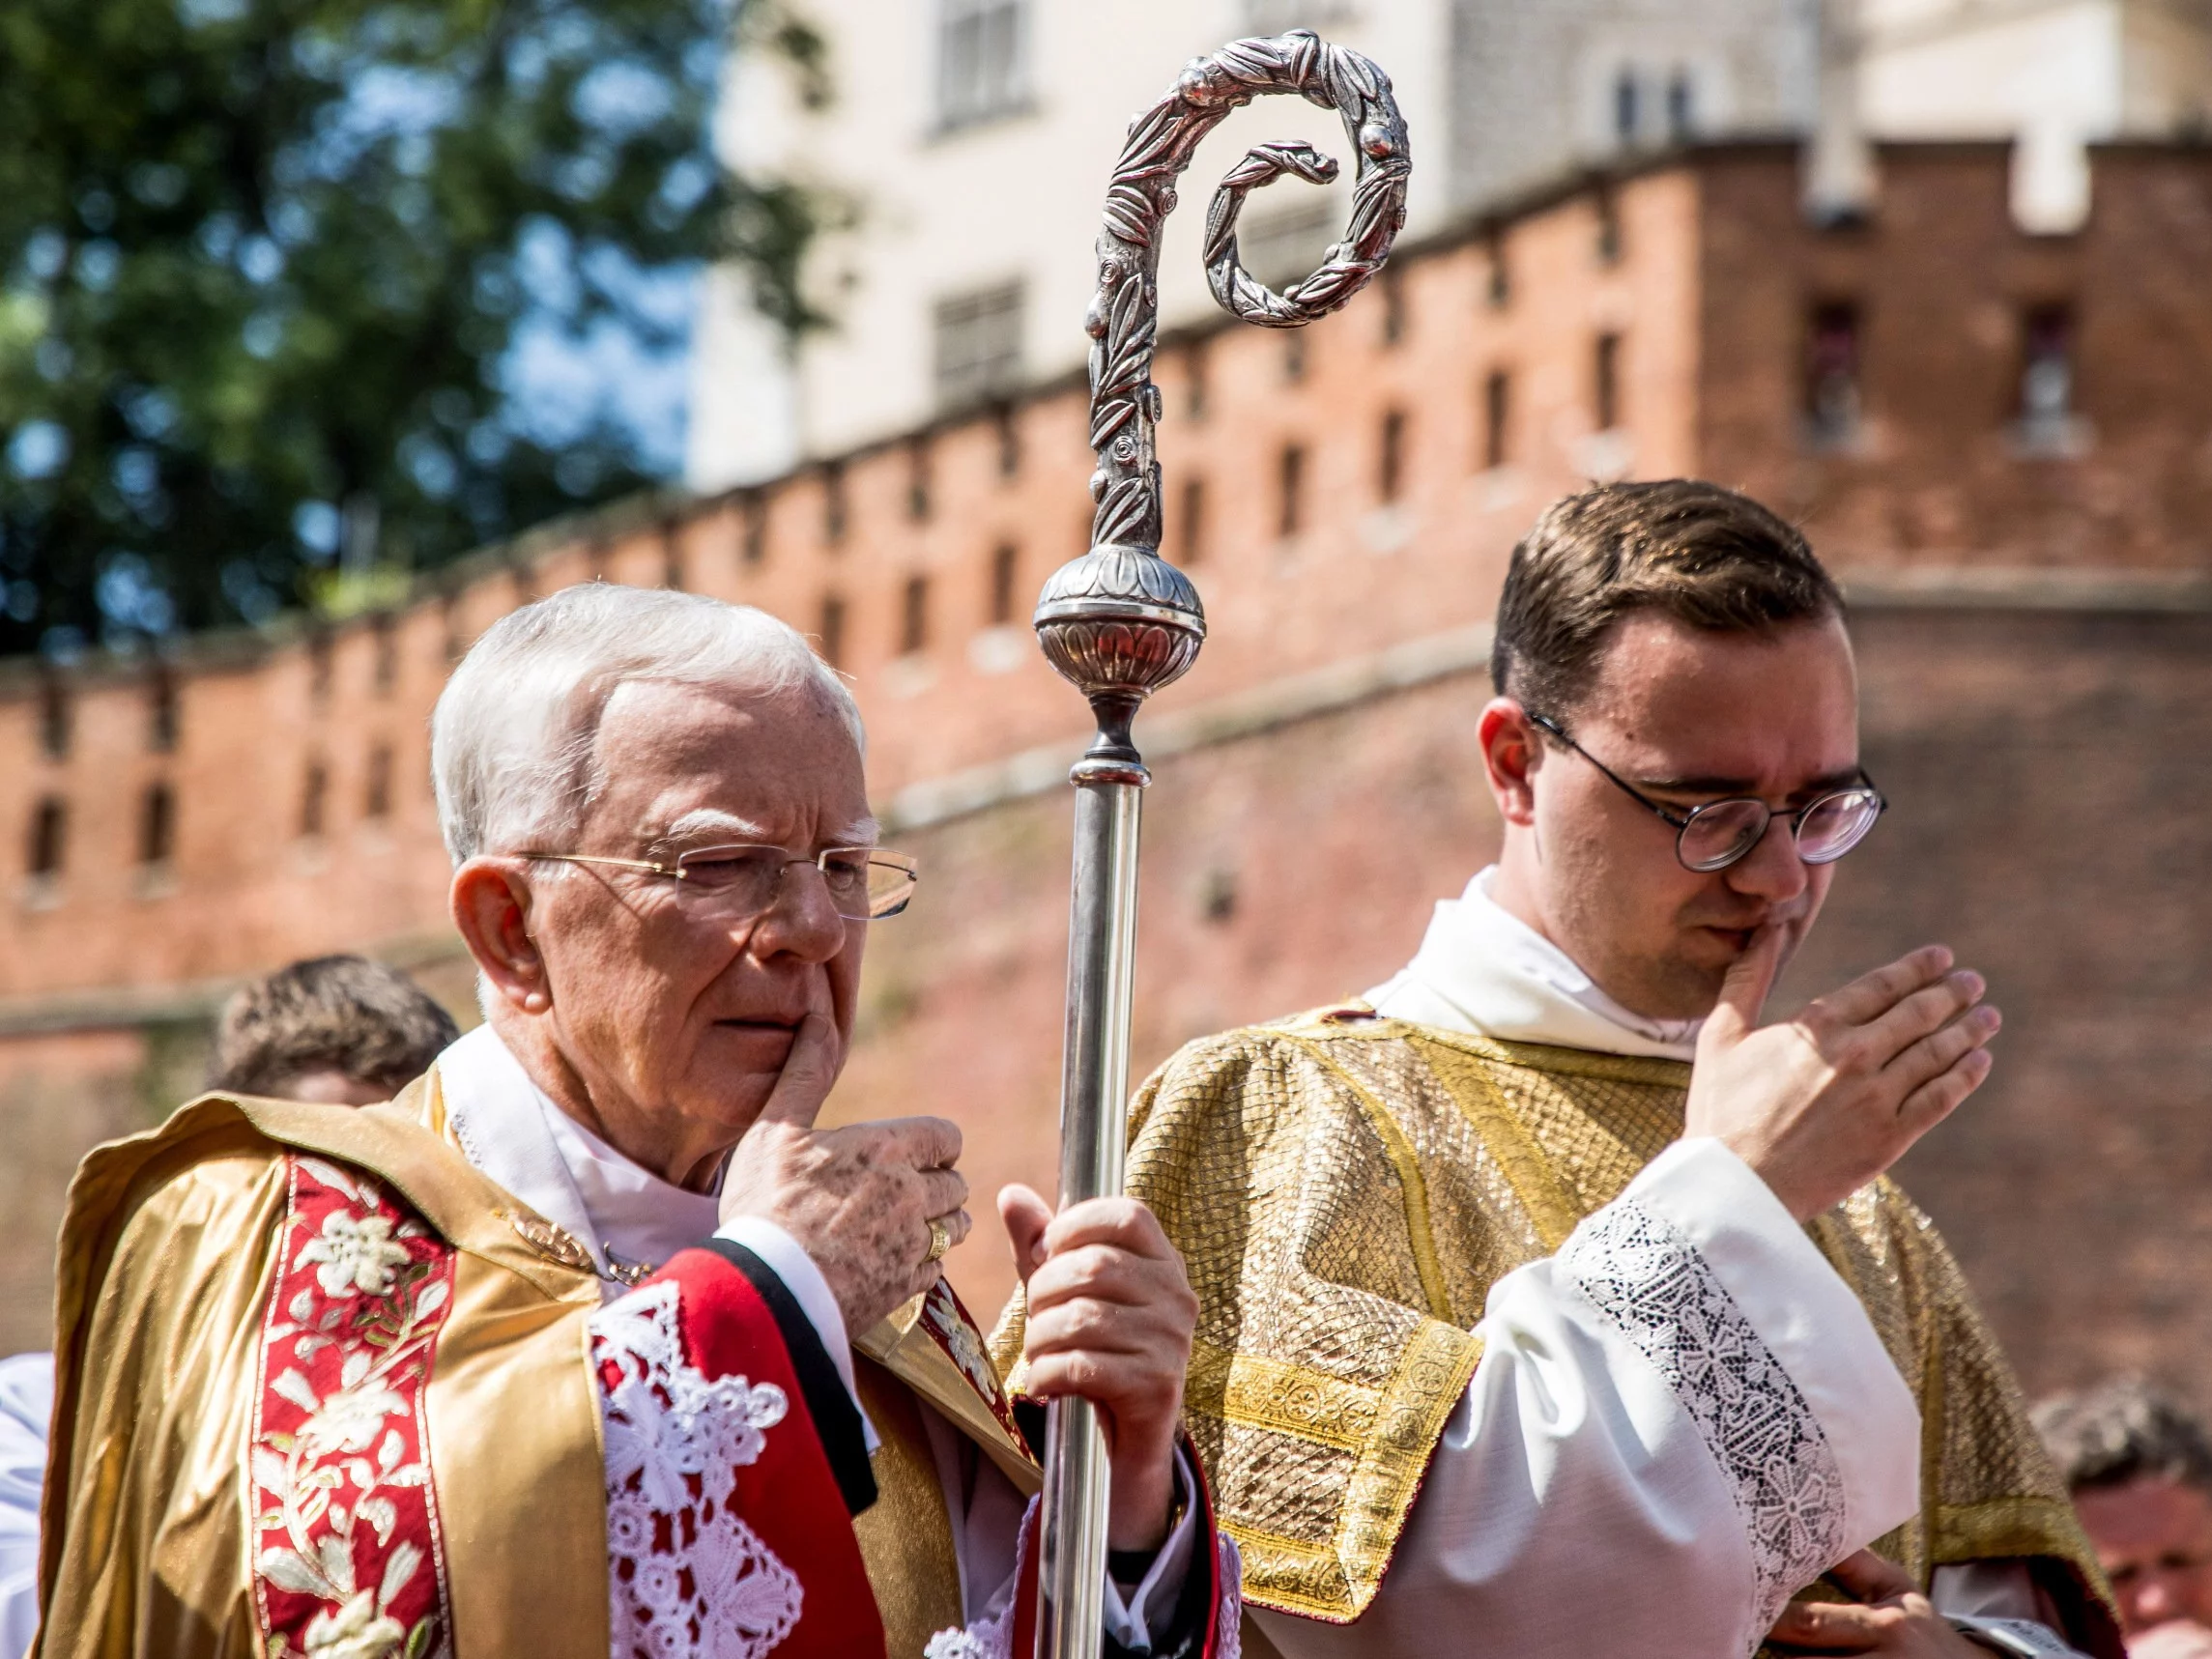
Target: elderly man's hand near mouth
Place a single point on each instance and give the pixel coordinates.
(859, 1200)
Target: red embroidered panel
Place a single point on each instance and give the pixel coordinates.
(945, 1320)
(347, 1555)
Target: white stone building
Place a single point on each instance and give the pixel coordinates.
(971, 140)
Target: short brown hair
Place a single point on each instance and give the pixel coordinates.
(329, 1013)
(2124, 1430)
(1704, 555)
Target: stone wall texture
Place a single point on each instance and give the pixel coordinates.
(2034, 624)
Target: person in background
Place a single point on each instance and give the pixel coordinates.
(340, 1031)
(2140, 1466)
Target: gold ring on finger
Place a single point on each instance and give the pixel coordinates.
(940, 1240)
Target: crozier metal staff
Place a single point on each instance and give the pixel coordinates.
(1120, 622)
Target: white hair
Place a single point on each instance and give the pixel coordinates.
(513, 741)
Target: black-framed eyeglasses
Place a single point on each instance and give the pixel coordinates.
(1721, 832)
(865, 883)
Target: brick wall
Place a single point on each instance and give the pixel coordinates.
(1273, 878)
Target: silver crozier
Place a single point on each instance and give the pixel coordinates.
(1120, 622)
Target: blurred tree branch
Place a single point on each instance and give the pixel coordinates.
(263, 263)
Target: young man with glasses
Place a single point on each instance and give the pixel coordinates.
(1509, 1327)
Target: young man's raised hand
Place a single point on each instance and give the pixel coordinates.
(1822, 1103)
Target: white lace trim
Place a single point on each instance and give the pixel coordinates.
(685, 1574)
(1647, 1276)
(991, 1637)
(1229, 1632)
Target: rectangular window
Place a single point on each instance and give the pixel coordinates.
(314, 797)
(319, 654)
(753, 528)
(1190, 522)
(1005, 571)
(914, 616)
(1293, 355)
(1393, 305)
(2047, 363)
(157, 826)
(1605, 379)
(1682, 107)
(1197, 360)
(833, 513)
(1497, 416)
(1291, 477)
(161, 712)
(978, 341)
(832, 631)
(53, 717)
(1389, 457)
(1831, 403)
(1498, 276)
(981, 61)
(918, 470)
(2049, 423)
(387, 634)
(672, 555)
(1608, 229)
(49, 837)
(376, 794)
(1627, 113)
(1009, 440)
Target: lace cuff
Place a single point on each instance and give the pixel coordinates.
(1768, 1355)
(1809, 1320)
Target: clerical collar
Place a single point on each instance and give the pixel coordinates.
(1483, 970)
(625, 1215)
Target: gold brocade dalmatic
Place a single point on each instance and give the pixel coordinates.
(171, 1243)
(168, 1250)
(1346, 1191)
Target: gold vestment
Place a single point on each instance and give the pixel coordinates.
(168, 1249)
(1345, 1189)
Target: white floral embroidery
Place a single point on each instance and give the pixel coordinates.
(1647, 1276)
(357, 1253)
(322, 1490)
(676, 1440)
(356, 1630)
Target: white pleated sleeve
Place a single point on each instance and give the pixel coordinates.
(1679, 1420)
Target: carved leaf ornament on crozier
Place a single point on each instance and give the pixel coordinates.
(1120, 622)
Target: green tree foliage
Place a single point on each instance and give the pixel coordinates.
(261, 263)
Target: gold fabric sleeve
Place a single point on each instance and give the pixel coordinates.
(1346, 1190)
(1329, 1350)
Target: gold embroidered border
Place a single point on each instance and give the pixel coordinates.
(1412, 1183)
(1282, 1398)
(1335, 1583)
(1999, 1526)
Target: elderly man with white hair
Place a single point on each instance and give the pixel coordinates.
(590, 1342)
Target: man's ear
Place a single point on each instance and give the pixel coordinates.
(1510, 754)
(490, 902)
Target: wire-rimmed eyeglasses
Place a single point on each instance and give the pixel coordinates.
(1721, 832)
(865, 883)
